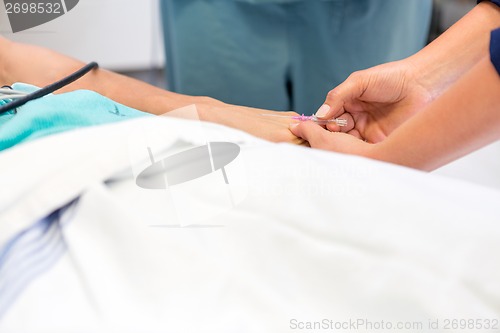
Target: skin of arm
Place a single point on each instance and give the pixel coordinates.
(40, 67)
(457, 50)
(463, 119)
(378, 100)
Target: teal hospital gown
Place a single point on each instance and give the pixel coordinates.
(59, 113)
(284, 54)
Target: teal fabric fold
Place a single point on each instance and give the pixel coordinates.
(59, 113)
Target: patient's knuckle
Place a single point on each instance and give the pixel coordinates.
(290, 113)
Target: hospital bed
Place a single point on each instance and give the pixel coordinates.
(285, 239)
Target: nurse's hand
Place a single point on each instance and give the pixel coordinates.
(376, 101)
(321, 138)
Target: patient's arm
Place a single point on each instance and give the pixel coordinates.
(465, 118)
(40, 67)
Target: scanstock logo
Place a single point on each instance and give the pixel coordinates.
(26, 14)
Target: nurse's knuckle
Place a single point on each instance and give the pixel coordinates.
(334, 93)
(355, 76)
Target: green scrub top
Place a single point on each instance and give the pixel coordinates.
(284, 54)
(274, 1)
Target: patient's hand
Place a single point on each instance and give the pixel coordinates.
(249, 120)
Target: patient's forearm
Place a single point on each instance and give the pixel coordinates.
(40, 66)
(463, 119)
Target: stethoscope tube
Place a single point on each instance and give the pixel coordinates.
(48, 89)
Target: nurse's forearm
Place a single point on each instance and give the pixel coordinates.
(456, 51)
(463, 119)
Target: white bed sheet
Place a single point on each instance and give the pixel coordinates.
(306, 236)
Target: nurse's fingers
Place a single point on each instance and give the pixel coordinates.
(356, 134)
(348, 91)
(317, 136)
(344, 129)
(320, 138)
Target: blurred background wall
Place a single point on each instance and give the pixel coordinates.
(446, 13)
(121, 34)
(125, 35)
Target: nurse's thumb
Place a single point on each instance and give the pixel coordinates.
(336, 99)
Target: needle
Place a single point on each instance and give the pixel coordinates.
(338, 121)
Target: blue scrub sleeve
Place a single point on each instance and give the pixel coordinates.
(495, 49)
(496, 2)
(495, 42)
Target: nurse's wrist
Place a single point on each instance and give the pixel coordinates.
(378, 151)
(385, 152)
(393, 150)
(428, 75)
(446, 59)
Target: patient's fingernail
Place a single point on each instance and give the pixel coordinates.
(322, 111)
(293, 125)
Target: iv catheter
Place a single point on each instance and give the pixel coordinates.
(338, 121)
